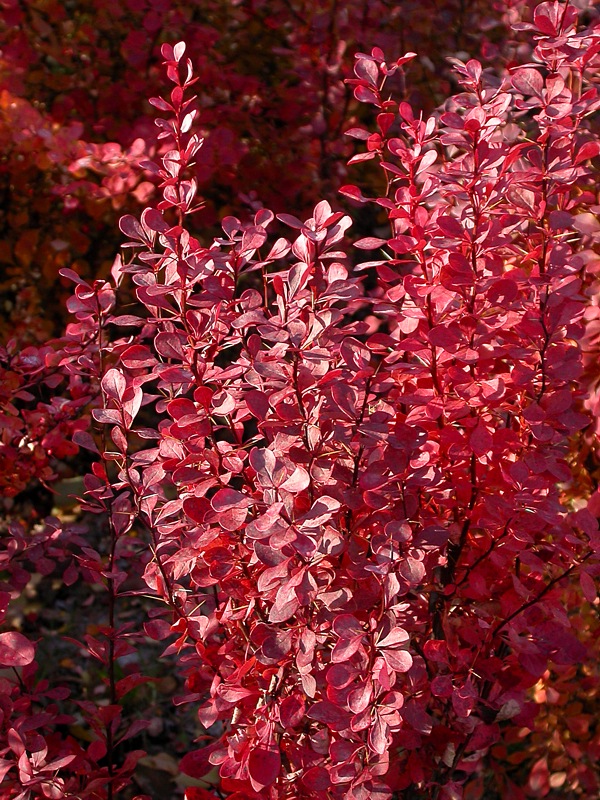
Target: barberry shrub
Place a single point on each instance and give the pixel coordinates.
(359, 498)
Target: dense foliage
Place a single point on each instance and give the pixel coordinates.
(355, 500)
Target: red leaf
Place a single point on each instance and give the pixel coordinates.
(333, 716)
(367, 70)
(365, 94)
(412, 570)
(196, 508)
(397, 635)
(252, 239)
(481, 440)
(292, 711)
(354, 193)
(450, 226)
(85, 440)
(264, 765)
(154, 220)
(447, 337)
(138, 356)
(321, 511)
(402, 244)
(370, 243)
(233, 519)
(378, 736)
(279, 249)
(226, 498)
(588, 587)
(15, 650)
(344, 649)
(257, 403)
(427, 160)
(297, 481)
(169, 345)
(316, 779)
(285, 606)
(528, 81)
(547, 18)
(196, 763)
(289, 219)
(359, 699)
(398, 660)
(589, 150)
(114, 384)
(131, 227)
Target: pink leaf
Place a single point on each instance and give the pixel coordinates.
(427, 160)
(138, 356)
(360, 698)
(412, 570)
(344, 649)
(547, 18)
(169, 345)
(347, 626)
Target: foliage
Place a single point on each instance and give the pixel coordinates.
(273, 100)
(358, 491)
